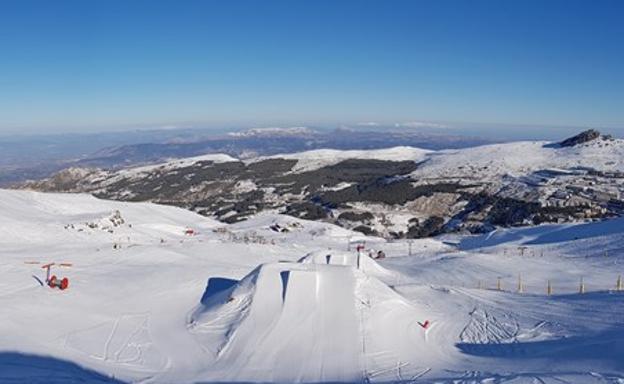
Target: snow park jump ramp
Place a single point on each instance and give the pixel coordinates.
(310, 322)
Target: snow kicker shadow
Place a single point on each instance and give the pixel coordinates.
(606, 346)
(22, 368)
(216, 285)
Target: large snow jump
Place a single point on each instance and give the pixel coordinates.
(308, 322)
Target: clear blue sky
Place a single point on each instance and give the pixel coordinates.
(96, 65)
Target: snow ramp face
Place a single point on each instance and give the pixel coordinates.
(306, 322)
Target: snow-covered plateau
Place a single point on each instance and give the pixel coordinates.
(160, 294)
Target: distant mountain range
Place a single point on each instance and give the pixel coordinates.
(397, 192)
(31, 158)
(271, 141)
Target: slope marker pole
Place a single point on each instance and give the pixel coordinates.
(549, 288)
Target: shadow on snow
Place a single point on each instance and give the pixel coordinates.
(23, 368)
(606, 347)
(545, 234)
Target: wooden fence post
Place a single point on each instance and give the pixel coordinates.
(549, 288)
(520, 287)
(582, 286)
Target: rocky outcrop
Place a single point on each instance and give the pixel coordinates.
(583, 137)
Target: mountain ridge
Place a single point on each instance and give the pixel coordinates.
(396, 192)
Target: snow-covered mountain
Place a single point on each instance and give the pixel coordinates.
(160, 294)
(270, 141)
(518, 159)
(276, 132)
(396, 192)
(321, 158)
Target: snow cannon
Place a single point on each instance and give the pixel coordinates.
(53, 281)
(61, 284)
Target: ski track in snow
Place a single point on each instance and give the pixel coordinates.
(485, 327)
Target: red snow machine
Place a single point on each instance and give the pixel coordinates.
(53, 281)
(62, 284)
(190, 232)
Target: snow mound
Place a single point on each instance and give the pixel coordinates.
(307, 322)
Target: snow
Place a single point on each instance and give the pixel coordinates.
(298, 307)
(315, 159)
(359, 261)
(325, 321)
(251, 302)
(274, 132)
(172, 165)
(548, 234)
(515, 170)
(521, 158)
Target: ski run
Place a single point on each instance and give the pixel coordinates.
(159, 294)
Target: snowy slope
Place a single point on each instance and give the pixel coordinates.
(179, 163)
(312, 160)
(326, 322)
(31, 217)
(150, 303)
(522, 158)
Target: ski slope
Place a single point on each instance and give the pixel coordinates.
(279, 299)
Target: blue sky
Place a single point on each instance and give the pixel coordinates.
(98, 65)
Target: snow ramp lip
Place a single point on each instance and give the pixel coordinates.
(355, 260)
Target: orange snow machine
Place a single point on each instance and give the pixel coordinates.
(53, 281)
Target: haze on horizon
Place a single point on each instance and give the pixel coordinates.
(74, 66)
